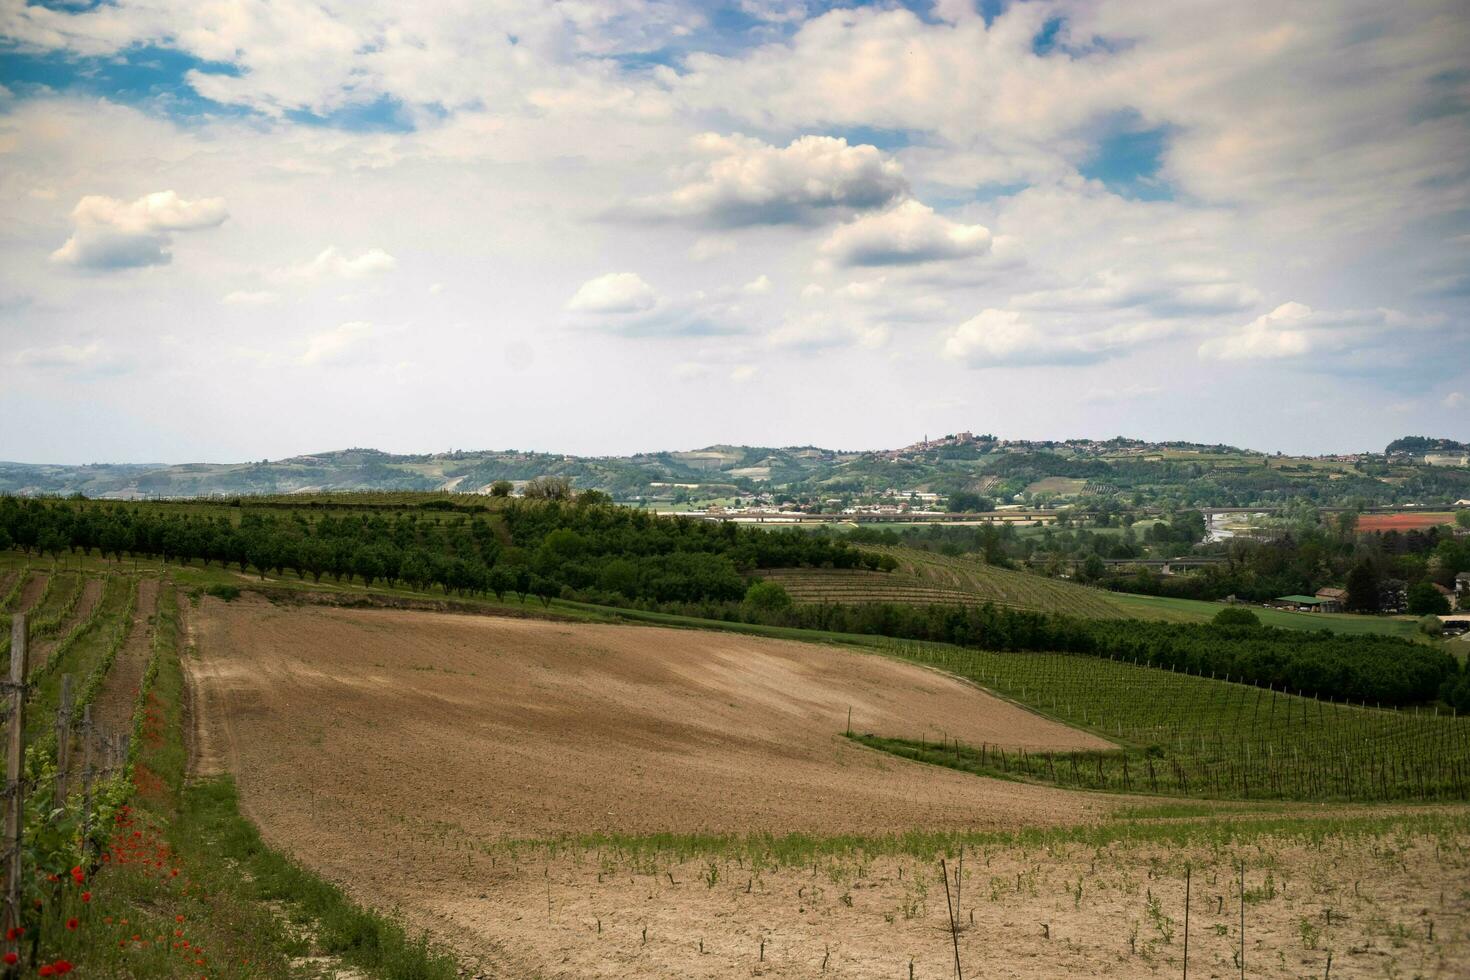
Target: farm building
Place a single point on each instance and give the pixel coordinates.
(1302, 603)
(1333, 600)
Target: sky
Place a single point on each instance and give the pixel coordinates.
(243, 229)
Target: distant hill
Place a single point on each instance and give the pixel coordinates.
(1419, 445)
(1116, 474)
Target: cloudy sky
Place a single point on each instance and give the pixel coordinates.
(251, 228)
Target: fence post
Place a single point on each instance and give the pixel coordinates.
(86, 774)
(15, 770)
(63, 740)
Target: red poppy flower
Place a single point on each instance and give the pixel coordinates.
(71, 923)
(86, 896)
(11, 959)
(47, 971)
(62, 966)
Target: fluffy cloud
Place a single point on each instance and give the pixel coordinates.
(1000, 338)
(332, 263)
(908, 234)
(623, 303)
(1284, 332)
(744, 182)
(827, 330)
(1170, 291)
(113, 234)
(1396, 348)
(615, 292)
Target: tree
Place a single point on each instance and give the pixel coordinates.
(1431, 626)
(1363, 593)
(589, 498)
(548, 488)
(1236, 616)
(501, 488)
(1093, 568)
(966, 502)
(1462, 518)
(767, 597)
(1426, 600)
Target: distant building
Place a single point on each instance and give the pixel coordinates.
(1446, 459)
(1449, 594)
(1301, 603)
(1393, 595)
(1333, 600)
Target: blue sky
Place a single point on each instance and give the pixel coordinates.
(700, 223)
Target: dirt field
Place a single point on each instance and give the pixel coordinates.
(410, 755)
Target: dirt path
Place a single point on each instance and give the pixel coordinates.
(112, 711)
(30, 593)
(91, 595)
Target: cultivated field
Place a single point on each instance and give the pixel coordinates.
(573, 800)
(926, 578)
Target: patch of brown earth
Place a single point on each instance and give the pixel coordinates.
(112, 711)
(386, 749)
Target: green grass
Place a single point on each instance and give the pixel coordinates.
(245, 910)
(927, 578)
(1179, 825)
(1196, 611)
(1193, 736)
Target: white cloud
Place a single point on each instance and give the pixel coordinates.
(1168, 291)
(340, 345)
(59, 356)
(907, 234)
(250, 297)
(1280, 333)
(1453, 400)
(827, 330)
(614, 292)
(332, 263)
(744, 182)
(742, 373)
(1000, 338)
(113, 234)
(758, 286)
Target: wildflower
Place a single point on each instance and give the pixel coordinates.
(11, 959)
(62, 966)
(86, 896)
(13, 933)
(72, 924)
(47, 971)
(178, 918)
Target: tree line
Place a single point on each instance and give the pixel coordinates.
(1371, 668)
(544, 547)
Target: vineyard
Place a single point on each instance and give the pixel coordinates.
(930, 579)
(1197, 736)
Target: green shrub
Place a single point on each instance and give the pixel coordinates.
(1236, 616)
(229, 593)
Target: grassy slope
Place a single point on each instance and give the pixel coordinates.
(926, 577)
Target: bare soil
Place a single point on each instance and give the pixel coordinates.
(112, 711)
(405, 755)
(30, 593)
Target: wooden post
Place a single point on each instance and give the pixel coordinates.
(1242, 920)
(953, 926)
(87, 737)
(1186, 921)
(15, 771)
(63, 740)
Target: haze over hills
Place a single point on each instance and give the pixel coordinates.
(964, 462)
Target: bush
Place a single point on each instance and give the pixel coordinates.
(1236, 616)
(767, 597)
(1431, 626)
(229, 593)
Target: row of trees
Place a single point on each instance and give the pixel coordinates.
(544, 547)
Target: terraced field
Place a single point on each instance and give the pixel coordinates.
(926, 578)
